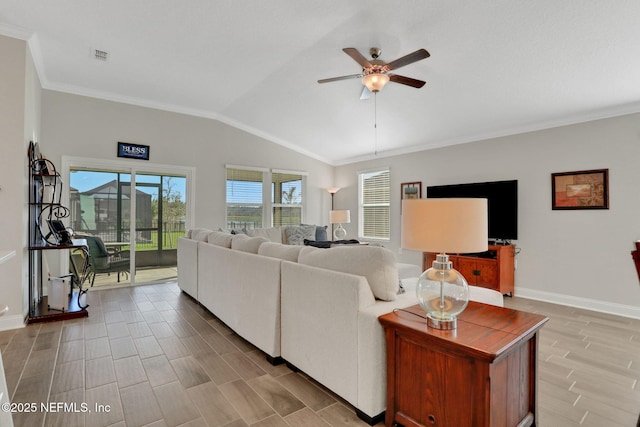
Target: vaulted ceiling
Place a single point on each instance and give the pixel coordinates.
(496, 67)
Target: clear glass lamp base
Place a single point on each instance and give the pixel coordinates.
(339, 233)
(443, 294)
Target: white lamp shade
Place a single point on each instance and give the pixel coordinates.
(445, 225)
(333, 190)
(340, 217)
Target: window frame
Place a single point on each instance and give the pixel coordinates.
(268, 195)
(303, 187)
(361, 205)
(264, 189)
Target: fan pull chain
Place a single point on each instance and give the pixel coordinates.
(375, 123)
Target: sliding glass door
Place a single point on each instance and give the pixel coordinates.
(139, 229)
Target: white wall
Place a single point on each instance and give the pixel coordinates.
(87, 127)
(19, 123)
(574, 257)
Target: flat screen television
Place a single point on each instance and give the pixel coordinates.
(502, 199)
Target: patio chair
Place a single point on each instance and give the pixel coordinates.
(104, 262)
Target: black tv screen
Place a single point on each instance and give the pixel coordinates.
(502, 197)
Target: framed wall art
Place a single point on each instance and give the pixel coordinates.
(587, 189)
(410, 190)
(133, 151)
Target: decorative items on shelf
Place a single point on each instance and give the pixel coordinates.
(47, 232)
(47, 201)
(444, 225)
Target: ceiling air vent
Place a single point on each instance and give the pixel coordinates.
(100, 55)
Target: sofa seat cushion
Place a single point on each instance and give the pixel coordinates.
(280, 251)
(408, 270)
(376, 263)
(244, 243)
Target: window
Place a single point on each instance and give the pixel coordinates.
(257, 198)
(374, 204)
(286, 198)
(244, 198)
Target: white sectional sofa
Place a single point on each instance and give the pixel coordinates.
(315, 308)
(243, 290)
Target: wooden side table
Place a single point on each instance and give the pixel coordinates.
(481, 374)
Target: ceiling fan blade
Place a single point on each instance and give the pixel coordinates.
(357, 56)
(407, 59)
(335, 79)
(406, 81)
(365, 94)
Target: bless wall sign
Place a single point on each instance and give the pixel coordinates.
(133, 151)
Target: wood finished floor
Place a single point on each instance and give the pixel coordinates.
(588, 367)
(158, 359)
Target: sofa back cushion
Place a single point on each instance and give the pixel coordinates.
(201, 234)
(273, 234)
(220, 239)
(376, 263)
(280, 251)
(244, 243)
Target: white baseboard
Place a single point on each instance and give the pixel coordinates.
(587, 304)
(11, 322)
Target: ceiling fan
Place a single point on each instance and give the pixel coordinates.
(375, 73)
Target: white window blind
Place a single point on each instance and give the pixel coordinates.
(286, 198)
(244, 198)
(374, 206)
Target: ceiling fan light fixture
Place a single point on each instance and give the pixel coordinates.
(375, 81)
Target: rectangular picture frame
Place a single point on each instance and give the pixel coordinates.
(587, 189)
(410, 190)
(133, 151)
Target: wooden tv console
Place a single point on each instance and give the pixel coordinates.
(493, 269)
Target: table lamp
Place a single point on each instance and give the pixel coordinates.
(440, 226)
(340, 217)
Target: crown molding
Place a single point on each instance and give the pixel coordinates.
(114, 97)
(15, 32)
(616, 111)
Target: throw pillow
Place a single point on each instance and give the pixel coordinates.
(321, 232)
(297, 234)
